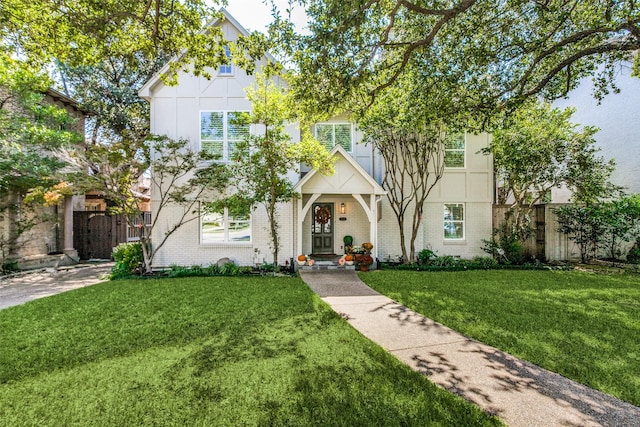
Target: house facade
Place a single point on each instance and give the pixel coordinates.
(50, 240)
(455, 218)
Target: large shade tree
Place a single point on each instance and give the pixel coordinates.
(83, 32)
(502, 52)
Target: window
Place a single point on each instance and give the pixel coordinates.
(454, 147)
(454, 221)
(226, 69)
(220, 132)
(332, 134)
(225, 228)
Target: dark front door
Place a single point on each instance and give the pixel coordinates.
(322, 232)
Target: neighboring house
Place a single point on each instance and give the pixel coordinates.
(55, 235)
(618, 117)
(455, 218)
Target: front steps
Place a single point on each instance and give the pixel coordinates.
(325, 265)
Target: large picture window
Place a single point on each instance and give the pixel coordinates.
(454, 150)
(225, 228)
(332, 134)
(454, 221)
(220, 132)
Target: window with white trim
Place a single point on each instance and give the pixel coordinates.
(332, 134)
(454, 221)
(226, 69)
(225, 228)
(454, 150)
(220, 132)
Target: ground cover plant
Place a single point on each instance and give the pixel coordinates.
(584, 326)
(205, 351)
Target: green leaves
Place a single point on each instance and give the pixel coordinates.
(480, 54)
(538, 148)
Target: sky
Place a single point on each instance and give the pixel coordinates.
(256, 15)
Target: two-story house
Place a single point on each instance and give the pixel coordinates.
(455, 218)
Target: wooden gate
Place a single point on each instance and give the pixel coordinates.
(95, 233)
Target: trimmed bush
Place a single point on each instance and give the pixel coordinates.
(128, 258)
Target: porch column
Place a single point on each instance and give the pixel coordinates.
(373, 224)
(302, 213)
(68, 229)
(300, 218)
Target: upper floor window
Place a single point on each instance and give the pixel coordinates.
(226, 69)
(454, 148)
(220, 132)
(332, 134)
(454, 221)
(225, 227)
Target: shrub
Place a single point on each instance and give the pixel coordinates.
(484, 262)
(445, 261)
(426, 255)
(128, 258)
(505, 247)
(9, 267)
(633, 256)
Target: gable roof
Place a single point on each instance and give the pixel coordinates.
(342, 182)
(145, 90)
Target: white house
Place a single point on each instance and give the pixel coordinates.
(617, 116)
(456, 216)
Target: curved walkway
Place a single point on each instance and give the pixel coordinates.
(518, 392)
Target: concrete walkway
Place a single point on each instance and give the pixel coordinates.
(520, 393)
(28, 286)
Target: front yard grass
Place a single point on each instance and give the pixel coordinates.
(584, 326)
(209, 352)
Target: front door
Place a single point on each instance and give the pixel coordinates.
(322, 232)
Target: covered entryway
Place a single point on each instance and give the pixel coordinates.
(334, 206)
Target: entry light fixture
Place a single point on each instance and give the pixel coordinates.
(343, 208)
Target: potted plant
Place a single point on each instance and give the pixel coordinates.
(365, 262)
(367, 246)
(348, 244)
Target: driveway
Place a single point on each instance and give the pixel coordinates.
(27, 286)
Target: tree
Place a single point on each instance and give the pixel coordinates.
(538, 148)
(582, 224)
(109, 90)
(30, 130)
(412, 148)
(502, 52)
(180, 177)
(261, 162)
(620, 219)
(83, 32)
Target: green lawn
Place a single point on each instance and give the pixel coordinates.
(205, 352)
(584, 326)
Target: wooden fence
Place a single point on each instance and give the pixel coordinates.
(546, 243)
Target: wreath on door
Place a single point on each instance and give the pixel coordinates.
(323, 215)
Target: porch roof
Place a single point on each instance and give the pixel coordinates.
(349, 178)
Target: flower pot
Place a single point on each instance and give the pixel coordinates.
(364, 267)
